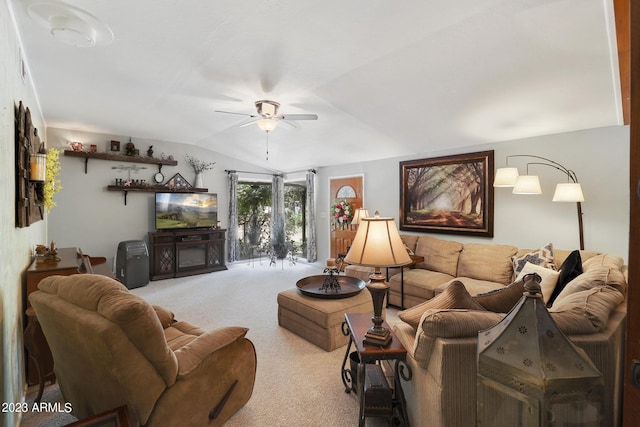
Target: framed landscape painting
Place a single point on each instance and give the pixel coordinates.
(451, 194)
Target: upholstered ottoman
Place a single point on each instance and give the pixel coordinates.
(319, 320)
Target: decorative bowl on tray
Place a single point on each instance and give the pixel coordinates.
(315, 286)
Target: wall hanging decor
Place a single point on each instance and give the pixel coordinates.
(29, 191)
(451, 194)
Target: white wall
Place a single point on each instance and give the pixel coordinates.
(96, 220)
(16, 244)
(599, 157)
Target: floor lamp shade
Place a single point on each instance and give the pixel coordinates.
(505, 177)
(568, 192)
(527, 184)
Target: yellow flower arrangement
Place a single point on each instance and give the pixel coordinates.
(52, 183)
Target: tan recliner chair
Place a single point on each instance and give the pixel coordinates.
(111, 348)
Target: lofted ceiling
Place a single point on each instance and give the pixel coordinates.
(386, 79)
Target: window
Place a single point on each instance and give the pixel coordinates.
(254, 218)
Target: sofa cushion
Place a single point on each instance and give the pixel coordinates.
(549, 278)
(455, 296)
(448, 323)
(439, 255)
(474, 286)
(409, 241)
(487, 262)
(569, 270)
(596, 276)
(616, 277)
(542, 256)
(454, 323)
(501, 300)
(560, 255)
(603, 260)
(419, 283)
(596, 304)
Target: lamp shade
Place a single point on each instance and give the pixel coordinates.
(267, 125)
(568, 192)
(527, 184)
(378, 244)
(359, 214)
(505, 177)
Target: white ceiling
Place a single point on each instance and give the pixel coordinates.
(386, 78)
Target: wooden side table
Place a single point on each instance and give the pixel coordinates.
(38, 352)
(117, 417)
(355, 326)
(415, 259)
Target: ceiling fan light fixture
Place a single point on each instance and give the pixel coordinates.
(267, 125)
(267, 108)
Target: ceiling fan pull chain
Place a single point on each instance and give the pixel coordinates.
(267, 145)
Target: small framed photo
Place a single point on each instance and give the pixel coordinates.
(115, 145)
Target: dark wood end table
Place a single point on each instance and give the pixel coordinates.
(355, 326)
(415, 259)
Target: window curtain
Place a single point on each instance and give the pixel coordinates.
(278, 239)
(312, 250)
(233, 250)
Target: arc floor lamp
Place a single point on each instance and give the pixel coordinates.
(570, 191)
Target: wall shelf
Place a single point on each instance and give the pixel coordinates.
(118, 157)
(153, 189)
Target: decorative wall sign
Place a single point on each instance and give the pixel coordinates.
(178, 182)
(452, 194)
(29, 194)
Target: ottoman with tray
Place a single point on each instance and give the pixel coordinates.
(319, 319)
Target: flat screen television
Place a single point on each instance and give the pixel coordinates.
(186, 210)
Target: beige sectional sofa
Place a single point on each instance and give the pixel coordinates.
(461, 289)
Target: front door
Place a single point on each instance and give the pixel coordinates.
(342, 234)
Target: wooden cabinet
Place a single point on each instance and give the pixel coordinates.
(186, 252)
(70, 262)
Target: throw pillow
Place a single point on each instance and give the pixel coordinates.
(596, 304)
(569, 270)
(455, 296)
(549, 278)
(452, 323)
(501, 300)
(596, 276)
(543, 257)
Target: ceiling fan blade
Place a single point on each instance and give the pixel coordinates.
(250, 122)
(298, 116)
(293, 125)
(232, 112)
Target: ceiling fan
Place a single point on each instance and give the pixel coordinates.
(267, 117)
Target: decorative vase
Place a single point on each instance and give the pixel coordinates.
(198, 182)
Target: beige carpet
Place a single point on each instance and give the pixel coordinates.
(297, 383)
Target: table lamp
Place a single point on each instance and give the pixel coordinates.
(378, 244)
